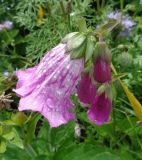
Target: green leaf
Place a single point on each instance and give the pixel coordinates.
(102, 50)
(31, 128)
(1, 130)
(89, 49)
(17, 141)
(109, 26)
(62, 135)
(85, 151)
(136, 105)
(2, 145)
(78, 52)
(68, 37)
(82, 25)
(19, 118)
(75, 42)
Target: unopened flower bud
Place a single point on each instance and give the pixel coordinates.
(100, 109)
(102, 71)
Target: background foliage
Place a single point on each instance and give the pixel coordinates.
(39, 25)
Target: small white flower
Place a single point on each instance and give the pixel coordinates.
(6, 74)
(6, 25)
(77, 130)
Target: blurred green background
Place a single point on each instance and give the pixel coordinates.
(38, 26)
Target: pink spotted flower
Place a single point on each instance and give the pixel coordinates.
(47, 87)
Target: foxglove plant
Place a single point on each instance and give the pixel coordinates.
(48, 86)
(100, 101)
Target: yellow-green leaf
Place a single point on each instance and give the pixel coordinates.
(137, 107)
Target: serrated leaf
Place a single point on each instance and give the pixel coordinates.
(17, 141)
(9, 136)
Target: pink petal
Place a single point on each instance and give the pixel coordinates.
(86, 90)
(55, 79)
(100, 110)
(102, 71)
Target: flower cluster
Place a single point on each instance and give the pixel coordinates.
(99, 101)
(47, 87)
(126, 22)
(6, 25)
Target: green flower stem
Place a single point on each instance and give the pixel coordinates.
(98, 5)
(102, 4)
(49, 139)
(121, 5)
(114, 119)
(63, 9)
(121, 8)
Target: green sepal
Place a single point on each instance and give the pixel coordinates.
(31, 126)
(75, 42)
(89, 48)
(78, 52)
(68, 37)
(107, 89)
(101, 50)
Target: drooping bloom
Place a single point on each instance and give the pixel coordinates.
(100, 110)
(102, 71)
(47, 87)
(86, 90)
